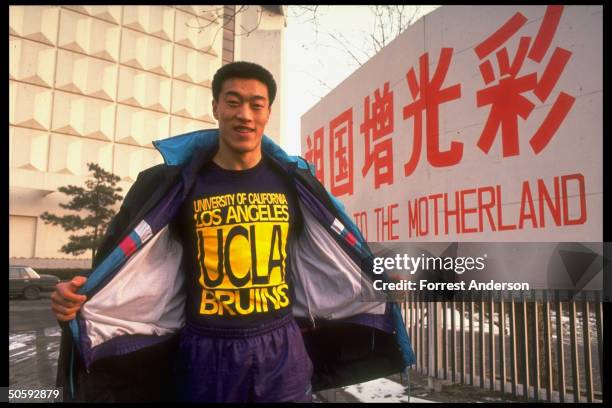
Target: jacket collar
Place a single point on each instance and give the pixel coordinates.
(178, 150)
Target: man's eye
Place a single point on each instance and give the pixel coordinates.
(257, 107)
(233, 103)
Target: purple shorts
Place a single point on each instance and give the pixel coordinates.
(266, 364)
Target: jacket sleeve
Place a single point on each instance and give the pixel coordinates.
(145, 184)
(63, 363)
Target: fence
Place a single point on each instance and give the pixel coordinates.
(540, 350)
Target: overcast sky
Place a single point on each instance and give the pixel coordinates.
(316, 63)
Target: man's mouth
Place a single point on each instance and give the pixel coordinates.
(243, 129)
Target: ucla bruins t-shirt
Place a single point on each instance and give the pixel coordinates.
(234, 225)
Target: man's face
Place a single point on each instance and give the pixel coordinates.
(243, 110)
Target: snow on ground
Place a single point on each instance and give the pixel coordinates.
(53, 332)
(19, 340)
(381, 390)
(14, 346)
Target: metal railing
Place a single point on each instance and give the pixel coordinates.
(541, 350)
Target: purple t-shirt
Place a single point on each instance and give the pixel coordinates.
(234, 226)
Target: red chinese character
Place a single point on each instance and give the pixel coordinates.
(341, 158)
(430, 98)
(314, 154)
(378, 123)
(506, 98)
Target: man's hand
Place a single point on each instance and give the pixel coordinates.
(65, 302)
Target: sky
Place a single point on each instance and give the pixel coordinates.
(315, 63)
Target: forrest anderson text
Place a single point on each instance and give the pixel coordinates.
(423, 284)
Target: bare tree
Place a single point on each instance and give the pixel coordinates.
(389, 22)
(219, 19)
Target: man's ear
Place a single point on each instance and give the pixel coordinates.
(215, 104)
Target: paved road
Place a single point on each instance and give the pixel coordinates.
(34, 337)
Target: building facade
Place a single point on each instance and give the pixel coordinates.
(100, 83)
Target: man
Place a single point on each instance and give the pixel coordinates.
(239, 249)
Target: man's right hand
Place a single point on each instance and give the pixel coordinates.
(65, 302)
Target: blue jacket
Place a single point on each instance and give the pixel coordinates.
(136, 295)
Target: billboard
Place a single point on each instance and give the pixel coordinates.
(478, 123)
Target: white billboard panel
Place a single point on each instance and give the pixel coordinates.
(478, 123)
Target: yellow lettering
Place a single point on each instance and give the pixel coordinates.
(257, 300)
(209, 303)
(264, 302)
(273, 299)
(226, 302)
(283, 299)
(239, 299)
(232, 217)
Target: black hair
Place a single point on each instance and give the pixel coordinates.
(243, 69)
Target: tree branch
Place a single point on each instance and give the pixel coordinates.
(343, 45)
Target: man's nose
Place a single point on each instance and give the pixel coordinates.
(245, 113)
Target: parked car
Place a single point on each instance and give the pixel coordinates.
(24, 281)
